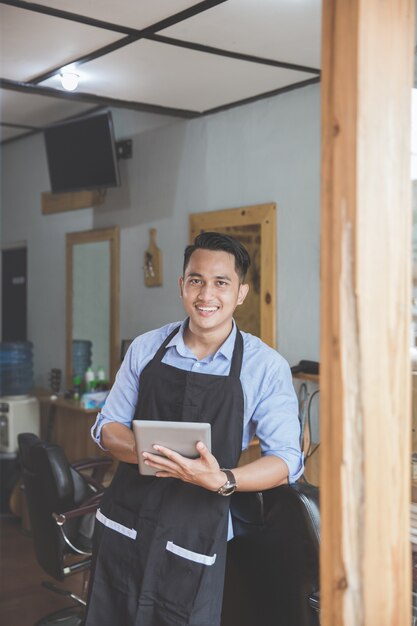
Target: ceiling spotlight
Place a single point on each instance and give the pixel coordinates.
(69, 80)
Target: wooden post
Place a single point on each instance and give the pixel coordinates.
(365, 312)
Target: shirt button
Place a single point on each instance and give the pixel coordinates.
(197, 365)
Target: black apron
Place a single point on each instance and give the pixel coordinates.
(160, 549)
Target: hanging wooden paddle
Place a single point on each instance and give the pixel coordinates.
(152, 268)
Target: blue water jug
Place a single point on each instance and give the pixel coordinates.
(16, 368)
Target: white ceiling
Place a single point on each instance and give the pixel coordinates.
(192, 62)
(284, 30)
(133, 13)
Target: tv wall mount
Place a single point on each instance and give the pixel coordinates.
(124, 149)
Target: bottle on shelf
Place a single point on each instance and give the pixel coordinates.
(102, 383)
(90, 380)
(77, 387)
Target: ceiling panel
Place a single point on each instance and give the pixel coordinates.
(284, 30)
(175, 77)
(138, 14)
(11, 133)
(34, 110)
(32, 43)
(154, 72)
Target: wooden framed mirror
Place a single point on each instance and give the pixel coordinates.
(255, 227)
(93, 302)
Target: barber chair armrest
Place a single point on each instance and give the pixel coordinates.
(90, 506)
(99, 465)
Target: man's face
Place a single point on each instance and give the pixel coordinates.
(211, 290)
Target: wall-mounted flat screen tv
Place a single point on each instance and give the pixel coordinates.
(81, 154)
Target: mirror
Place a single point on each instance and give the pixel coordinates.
(92, 322)
(255, 227)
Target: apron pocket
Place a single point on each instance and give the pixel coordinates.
(120, 528)
(123, 549)
(187, 559)
(191, 556)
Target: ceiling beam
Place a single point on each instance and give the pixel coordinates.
(133, 34)
(101, 102)
(231, 55)
(80, 96)
(262, 96)
(96, 54)
(118, 28)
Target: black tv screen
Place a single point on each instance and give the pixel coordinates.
(81, 154)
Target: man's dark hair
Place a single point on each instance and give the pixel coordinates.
(224, 243)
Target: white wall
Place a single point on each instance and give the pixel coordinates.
(267, 151)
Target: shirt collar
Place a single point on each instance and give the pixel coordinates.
(226, 349)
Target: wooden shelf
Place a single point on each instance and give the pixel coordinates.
(71, 425)
(61, 202)
(69, 405)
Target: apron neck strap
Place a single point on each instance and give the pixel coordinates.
(237, 357)
(161, 350)
(236, 364)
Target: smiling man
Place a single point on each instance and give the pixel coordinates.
(160, 542)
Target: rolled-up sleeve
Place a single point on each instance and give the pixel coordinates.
(276, 419)
(121, 402)
(96, 430)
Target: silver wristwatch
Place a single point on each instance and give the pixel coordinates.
(230, 485)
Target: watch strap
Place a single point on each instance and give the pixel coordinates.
(230, 485)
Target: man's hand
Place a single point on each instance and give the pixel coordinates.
(204, 471)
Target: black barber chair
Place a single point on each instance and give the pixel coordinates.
(61, 505)
(272, 572)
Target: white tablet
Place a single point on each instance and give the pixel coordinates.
(181, 437)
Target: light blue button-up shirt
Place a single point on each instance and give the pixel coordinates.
(270, 402)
